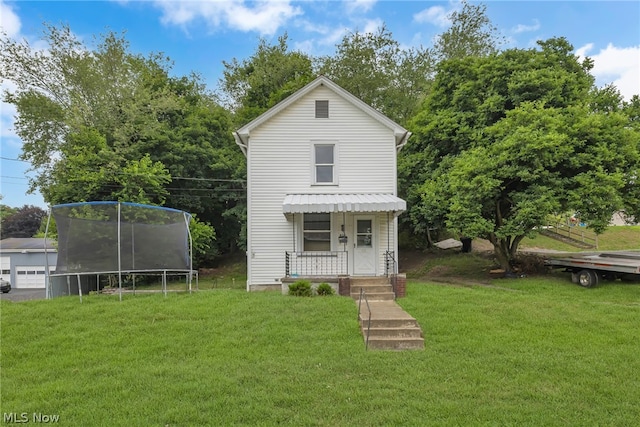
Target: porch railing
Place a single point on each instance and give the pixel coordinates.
(332, 263)
(391, 269)
(390, 263)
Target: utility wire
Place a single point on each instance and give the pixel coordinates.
(183, 178)
(13, 160)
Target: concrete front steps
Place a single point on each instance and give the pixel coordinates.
(376, 288)
(389, 327)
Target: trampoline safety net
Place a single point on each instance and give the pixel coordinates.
(117, 236)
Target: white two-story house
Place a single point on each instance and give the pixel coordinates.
(321, 188)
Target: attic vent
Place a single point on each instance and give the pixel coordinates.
(322, 109)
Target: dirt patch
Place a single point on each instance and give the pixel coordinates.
(439, 270)
(411, 260)
(465, 269)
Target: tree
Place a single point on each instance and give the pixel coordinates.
(376, 69)
(471, 34)
(6, 211)
(105, 124)
(256, 84)
(507, 140)
(202, 236)
(25, 222)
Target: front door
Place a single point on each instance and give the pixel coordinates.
(364, 252)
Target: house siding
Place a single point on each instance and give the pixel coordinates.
(280, 162)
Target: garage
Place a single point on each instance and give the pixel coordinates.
(24, 260)
(30, 277)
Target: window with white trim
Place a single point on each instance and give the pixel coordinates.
(316, 232)
(324, 160)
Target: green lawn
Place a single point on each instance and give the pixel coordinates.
(614, 238)
(535, 351)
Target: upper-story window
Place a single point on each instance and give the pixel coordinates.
(324, 163)
(322, 109)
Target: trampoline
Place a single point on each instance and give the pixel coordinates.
(116, 239)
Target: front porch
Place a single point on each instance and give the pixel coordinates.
(332, 267)
(341, 234)
(329, 264)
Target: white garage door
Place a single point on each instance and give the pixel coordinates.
(31, 277)
(5, 268)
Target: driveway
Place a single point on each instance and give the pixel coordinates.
(23, 294)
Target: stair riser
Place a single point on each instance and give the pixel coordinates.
(392, 333)
(356, 281)
(396, 345)
(389, 323)
(386, 296)
(355, 290)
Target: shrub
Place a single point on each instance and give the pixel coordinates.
(325, 289)
(301, 288)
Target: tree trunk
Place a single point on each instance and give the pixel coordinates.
(503, 257)
(502, 251)
(505, 250)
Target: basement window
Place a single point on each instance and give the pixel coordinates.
(322, 109)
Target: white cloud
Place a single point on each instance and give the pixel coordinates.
(359, 5)
(264, 17)
(436, 15)
(372, 25)
(521, 28)
(582, 51)
(329, 37)
(617, 65)
(9, 21)
(332, 35)
(305, 46)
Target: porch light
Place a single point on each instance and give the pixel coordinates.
(342, 238)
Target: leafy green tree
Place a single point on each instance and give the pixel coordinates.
(202, 236)
(105, 124)
(506, 140)
(471, 34)
(273, 72)
(6, 211)
(632, 111)
(376, 69)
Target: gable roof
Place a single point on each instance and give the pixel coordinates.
(242, 135)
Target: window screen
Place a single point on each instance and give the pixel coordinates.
(317, 232)
(322, 109)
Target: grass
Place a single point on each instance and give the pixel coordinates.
(538, 351)
(533, 351)
(614, 238)
(447, 264)
(231, 274)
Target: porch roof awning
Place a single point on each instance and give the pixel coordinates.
(316, 203)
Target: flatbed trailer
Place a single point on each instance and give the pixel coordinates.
(587, 270)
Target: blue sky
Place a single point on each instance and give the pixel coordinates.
(199, 35)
